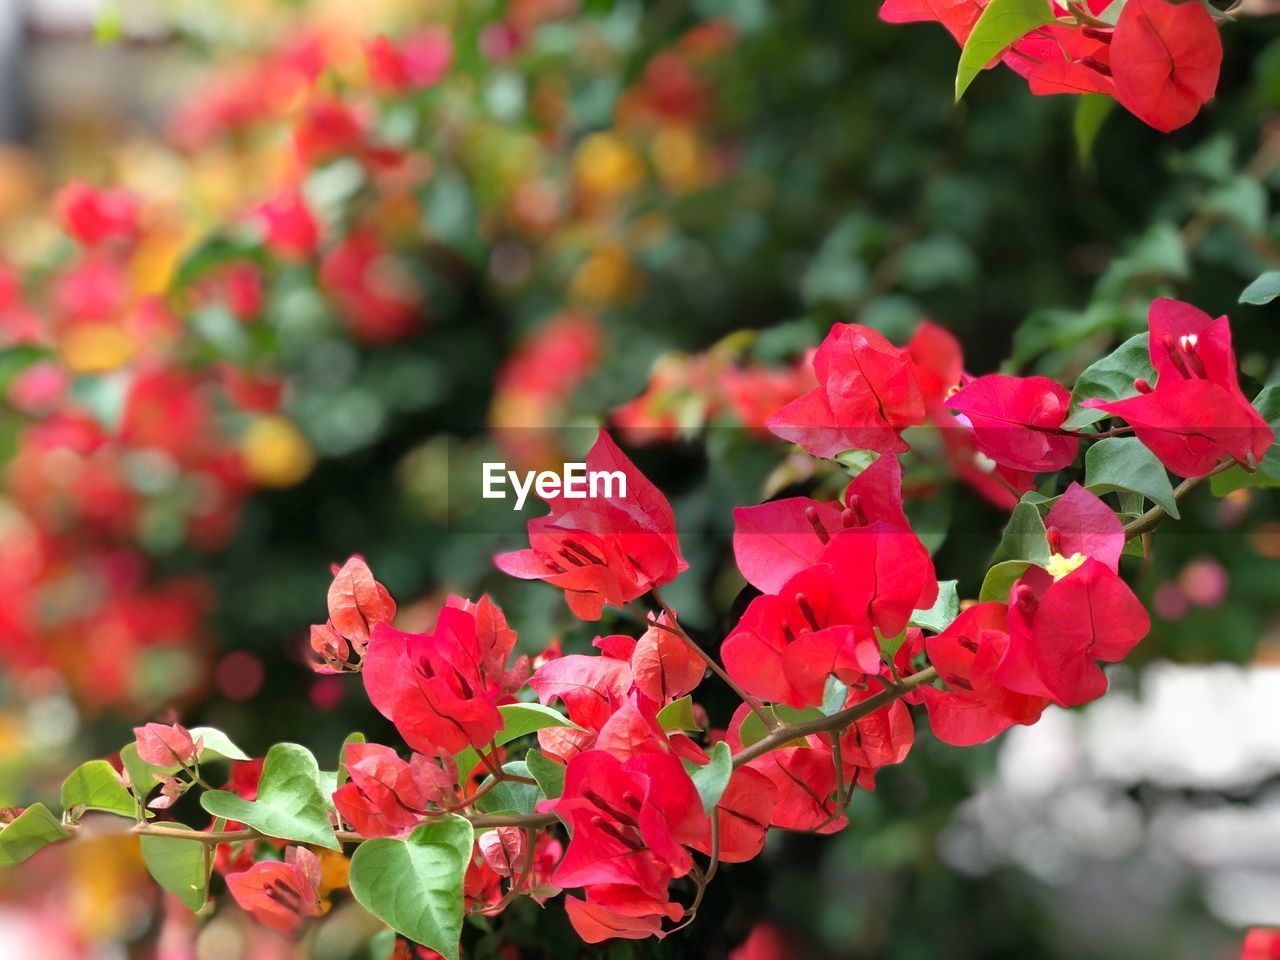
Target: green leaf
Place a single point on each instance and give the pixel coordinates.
(414, 885)
(95, 786)
(1123, 463)
(31, 831)
(342, 774)
(1109, 379)
(1000, 580)
(549, 773)
(1003, 23)
(518, 720)
(678, 715)
(711, 778)
(511, 796)
(180, 866)
(217, 743)
(834, 694)
(1267, 474)
(1092, 110)
(938, 617)
(754, 730)
(142, 775)
(290, 805)
(1263, 290)
(1024, 536)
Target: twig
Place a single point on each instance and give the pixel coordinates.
(1155, 516)
(673, 627)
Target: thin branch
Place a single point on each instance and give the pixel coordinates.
(1155, 516)
(837, 721)
(673, 627)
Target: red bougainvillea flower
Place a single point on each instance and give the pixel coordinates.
(592, 689)
(413, 64)
(386, 796)
(1160, 61)
(824, 619)
(866, 395)
(1165, 58)
(434, 686)
(765, 942)
(280, 894)
(602, 550)
(357, 603)
(663, 667)
(1080, 525)
(1197, 415)
(1017, 421)
(1261, 944)
(93, 216)
(975, 707)
(774, 541)
(630, 821)
(377, 294)
(1061, 622)
(164, 745)
(290, 229)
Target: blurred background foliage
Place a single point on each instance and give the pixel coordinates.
(595, 193)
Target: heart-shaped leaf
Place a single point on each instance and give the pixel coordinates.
(290, 804)
(710, 779)
(31, 831)
(1002, 24)
(95, 786)
(518, 720)
(179, 866)
(414, 885)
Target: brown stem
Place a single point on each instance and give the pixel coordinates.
(837, 721)
(673, 627)
(1155, 516)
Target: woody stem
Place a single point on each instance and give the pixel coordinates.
(1153, 517)
(673, 627)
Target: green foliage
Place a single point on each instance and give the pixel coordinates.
(518, 720)
(1263, 290)
(712, 778)
(414, 885)
(94, 786)
(938, 617)
(678, 715)
(290, 804)
(1110, 379)
(180, 866)
(1002, 23)
(1024, 536)
(31, 831)
(1000, 580)
(1123, 463)
(549, 773)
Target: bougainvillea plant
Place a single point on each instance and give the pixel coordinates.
(599, 775)
(1158, 59)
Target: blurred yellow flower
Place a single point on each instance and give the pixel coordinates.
(605, 165)
(680, 159)
(96, 348)
(605, 278)
(275, 452)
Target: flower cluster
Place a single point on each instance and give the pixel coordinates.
(848, 627)
(1160, 60)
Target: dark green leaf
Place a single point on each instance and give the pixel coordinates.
(1000, 580)
(549, 773)
(1024, 536)
(1110, 378)
(1263, 290)
(1123, 463)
